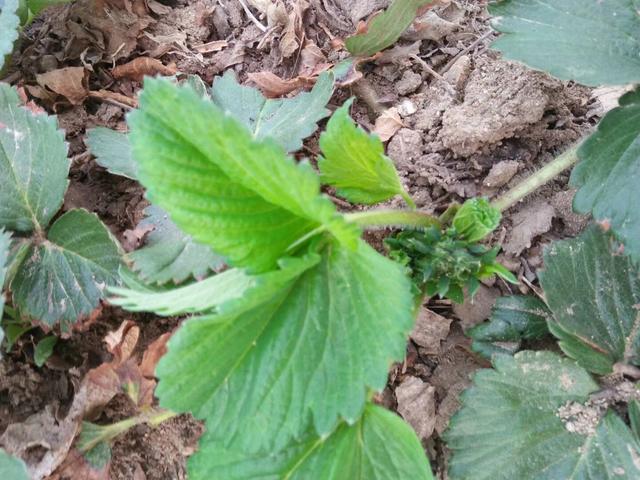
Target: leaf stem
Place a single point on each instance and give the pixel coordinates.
(392, 218)
(408, 200)
(535, 181)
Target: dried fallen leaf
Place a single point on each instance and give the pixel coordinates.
(122, 342)
(77, 465)
(293, 33)
(115, 98)
(141, 67)
(153, 354)
(273, 86)
(70, 82)
(211, 47)
(530, 222)
(429, 331)
(417, 405)
(388, 124)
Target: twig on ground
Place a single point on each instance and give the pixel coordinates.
(425, 66)
(252, 17)
(466, 50)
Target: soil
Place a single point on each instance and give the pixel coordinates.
(479, 127)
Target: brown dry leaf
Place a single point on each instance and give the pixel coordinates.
(133, 238)
(153, 354)
(139, 7)
(399, 54)
(293, 34)
(429, 331)
(476, 310)
(76, 466)
(429, 26)
(310, 58)
(417, 405)
(273, 86)
(115, 98)
(211, 47)
(388, 124)
(122, 342)
(70, 82)
(141, 67)
(530, 222)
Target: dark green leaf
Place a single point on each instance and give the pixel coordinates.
(9, 28)
(385, 29)
(63, 278)
(44, 349)
(355, 164)
(510, 428)
(33, 165)
(112, 151)
(513, 319)
(608, 173)
(169, 255)
(244, 198)
(307, 352)
(594, 294)
(12, 468)
(288, 121)
(634, 418)
(380, 446)
(593, 42)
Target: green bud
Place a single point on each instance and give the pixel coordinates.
(476, 219)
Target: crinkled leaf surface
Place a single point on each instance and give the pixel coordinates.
(12, 468)
(594, 294)
(608, 173)
(288, 121)
(354, 162)
(112, 151)
(509, 428)
(33, 165)
(63, 278)
(593, 42)
(380, 446)
(170, 255)
(244, 198)
(513, 319)
(200, 296)
(385, 29)
(306, 353)
(9, 27)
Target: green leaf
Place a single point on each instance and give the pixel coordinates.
(594, 295)
(608, 173)
(44, 349)
(112, 151)
(244, 198)
(476, 219)
(509, 426)
(202, 296)
(5, 241)
(380, 446)
(634, 417)
(385, 29)
(307, 352)
(12, 468)
(63, 278)
(36, 6)
(288, 121)
(33, 165)
(169, 255)
(9, 28)
(355, 164)
(589, 41)
(513, 319)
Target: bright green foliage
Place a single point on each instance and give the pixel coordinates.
(169, 255)
(9, 25)
(112, 151)
(510, 426)
(244, 198)
(308, 351)
(385, 29)
(380, 446)
(33, 165)
(593, 42)
(355, 164)
(608, 174)
(594, 295)
(513, 319)
(476, 219)
(287, 121)
(12, 468)
(44, 349)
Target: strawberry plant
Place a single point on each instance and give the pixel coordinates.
(58, 267)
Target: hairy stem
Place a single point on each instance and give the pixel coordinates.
(392, 218)
(535, 181)
(408, 200)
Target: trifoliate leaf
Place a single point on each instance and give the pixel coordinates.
(594, 295)
(170, 255)
(608, 173)
(244, 198)
(592, 42)
(9, 28)
(112, 151)
(12, 468)
(355, 164)
(202, 296)
(33, 166)
(380, 446)
(385, 29)
(62, 278)
(307, 353)
(288, 121)
(513, 319)
(510, 426)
